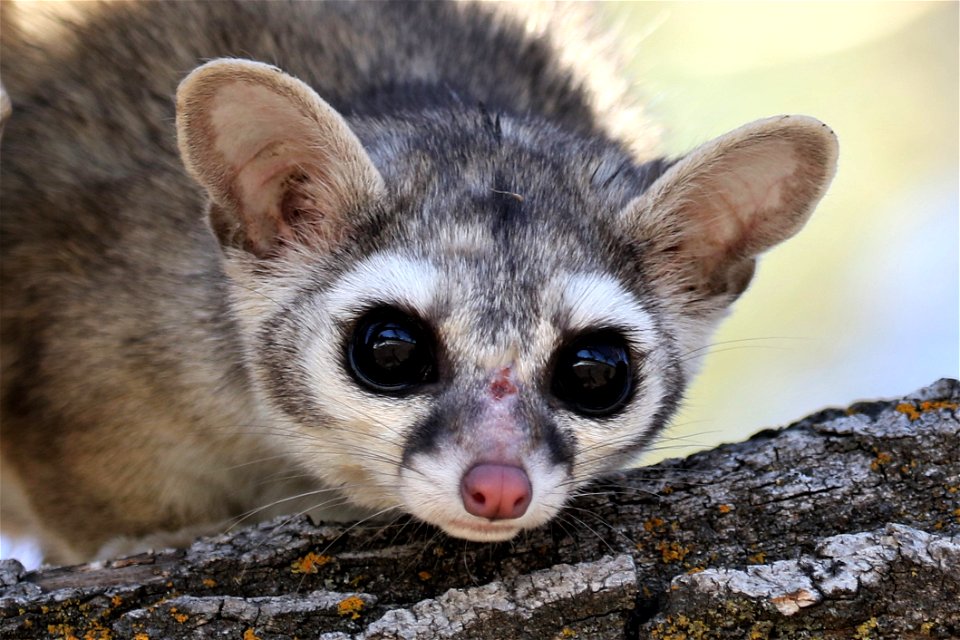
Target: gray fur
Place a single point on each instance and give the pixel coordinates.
(153, 377)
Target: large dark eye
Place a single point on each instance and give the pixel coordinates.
(391, 351)
(593, 375)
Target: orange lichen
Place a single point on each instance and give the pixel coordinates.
(567, 632)
(250, 634)
(725, 508)
(98, 632)
(116, 601)
(758, 558)
(179, 617)
(914, 413)
(672, 551)
(351, 606)
(908, 410)
(937, 405)
(209, 583)
(424, 575)
(309, 563)
(881, 459)
(653, 524)
(141, 636)
(66, 631)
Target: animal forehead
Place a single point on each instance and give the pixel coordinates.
(521, 330)
(506, 184)
(508, 239)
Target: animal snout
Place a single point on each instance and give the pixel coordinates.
(496, 491)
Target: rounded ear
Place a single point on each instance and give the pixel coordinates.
(706, 219)
(280, 165)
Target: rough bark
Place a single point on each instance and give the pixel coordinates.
(843, 525)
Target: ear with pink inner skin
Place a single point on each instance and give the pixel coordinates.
(703, 223)
(282, 168)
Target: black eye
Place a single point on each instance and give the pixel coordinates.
(593, 374)
(391, 351)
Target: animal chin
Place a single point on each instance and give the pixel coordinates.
(480, 530)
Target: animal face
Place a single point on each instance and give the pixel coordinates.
(467, 317)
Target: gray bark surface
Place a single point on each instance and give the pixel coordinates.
(843, 525)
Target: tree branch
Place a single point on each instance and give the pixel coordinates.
(843, 525)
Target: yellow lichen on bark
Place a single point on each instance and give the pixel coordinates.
(350, 607)
(309, 563)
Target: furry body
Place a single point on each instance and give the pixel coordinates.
(161, 365)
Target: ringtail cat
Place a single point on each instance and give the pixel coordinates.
(396, 253)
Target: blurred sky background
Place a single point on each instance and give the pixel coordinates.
(863, 303)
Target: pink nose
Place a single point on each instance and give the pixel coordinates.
(496, 491)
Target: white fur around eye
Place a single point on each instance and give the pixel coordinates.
(359, 435)
(594, 300)
(598, 300)
(384, 278)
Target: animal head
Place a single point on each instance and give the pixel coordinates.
(464, 315)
